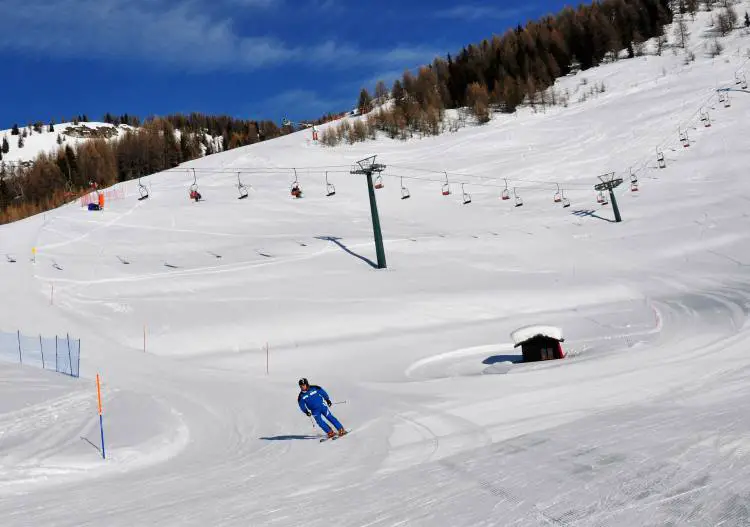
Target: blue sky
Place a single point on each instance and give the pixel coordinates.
(247, 58)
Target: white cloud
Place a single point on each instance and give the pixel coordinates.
(176, 34)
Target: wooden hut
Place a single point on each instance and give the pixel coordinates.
(539, 343)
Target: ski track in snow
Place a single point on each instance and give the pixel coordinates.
(645, 423)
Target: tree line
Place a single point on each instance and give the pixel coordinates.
(159, 144)
(504, 71)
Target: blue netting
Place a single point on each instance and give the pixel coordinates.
(60, 354)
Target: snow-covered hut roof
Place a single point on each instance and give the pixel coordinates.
(527, 333)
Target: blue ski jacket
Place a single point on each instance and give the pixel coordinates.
(313, 400)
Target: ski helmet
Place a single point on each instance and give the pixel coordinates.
(303, 382)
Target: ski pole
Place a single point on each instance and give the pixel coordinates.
(312, 421)
(341, 402)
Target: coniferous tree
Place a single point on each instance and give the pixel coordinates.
(365, 102)
(6, 145)
(15, 130)
(51, 126)
(20, 141)
(747, 19)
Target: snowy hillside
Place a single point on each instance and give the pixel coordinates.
(71, 134)
(177, 303)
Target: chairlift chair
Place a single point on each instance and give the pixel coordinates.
(404, 191)
(142, 190)
(722, 96)
(295, 189)
(466, 195)
(241, 188)
(379, 182)
(601, 198)
(194, 194)
(565, 201)
(558, 195)
(446, 191)
(506, 193)
(330, 189)
(633, 182)
(660, 159)
(727, 101)
(684, 139)
(519, 200)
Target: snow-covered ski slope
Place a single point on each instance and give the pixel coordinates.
(646, 422)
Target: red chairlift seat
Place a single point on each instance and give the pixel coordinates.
(379, 182)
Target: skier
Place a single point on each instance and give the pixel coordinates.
(312, 401)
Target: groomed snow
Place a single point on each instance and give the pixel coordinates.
(645, 423)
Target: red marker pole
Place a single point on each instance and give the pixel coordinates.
(101, 421)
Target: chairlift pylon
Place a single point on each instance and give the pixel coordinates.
(405, 194)
(241, 188)
(519, 200)
(506, 193)
(296, 190)
(330, 189)
(446, 190)
(142, 190)
(466, 195)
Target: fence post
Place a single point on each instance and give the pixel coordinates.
(70, 358)
(20, 356)
(41, 350)
(57, 355)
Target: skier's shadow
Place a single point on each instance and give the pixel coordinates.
(289, 438)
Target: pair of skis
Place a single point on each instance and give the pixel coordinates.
(334, 438)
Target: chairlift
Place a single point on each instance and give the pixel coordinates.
(506, 193)
(404, 191)
(519, 200)
(558, 195)
(744, 83)
(705, 118)
(466, 195)
(601, 199)
(379, 182)
(684, 138)
(194, 194)
(446, 186)
(633, 182)
(296, 190)
(660, 159)
(241, 188)
(727, 101)
(565, 201)
(142, 190)
(330, 189)
(722, 96)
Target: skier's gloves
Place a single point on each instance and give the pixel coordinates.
(329, 403)
(309, 413)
